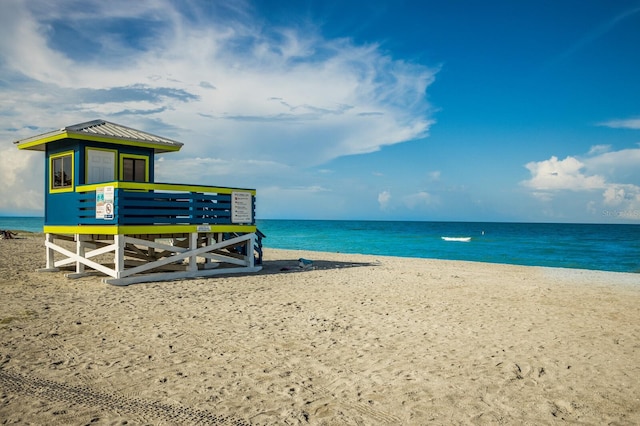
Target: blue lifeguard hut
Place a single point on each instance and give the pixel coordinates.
(100, 193)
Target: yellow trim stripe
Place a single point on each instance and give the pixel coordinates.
(163, 187)
(43, 141)
(144, 229)
(98, 138)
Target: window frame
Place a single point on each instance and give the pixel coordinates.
(63, 188)
(134, 157)
(87, 165)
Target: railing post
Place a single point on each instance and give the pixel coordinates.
(192, 206)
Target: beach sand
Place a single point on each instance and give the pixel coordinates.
(357, 340)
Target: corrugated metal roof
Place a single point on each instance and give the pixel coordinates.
(101, 128)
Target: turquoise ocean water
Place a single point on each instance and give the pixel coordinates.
(582, 246)
(607, 247)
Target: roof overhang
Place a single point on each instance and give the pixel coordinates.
(101, 131)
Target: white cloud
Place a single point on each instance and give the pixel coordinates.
(217, 171)
(599, 149)
(418, 200)
(629, 123)
(304, 202)
(434, 175)
(384, 199)
(542, 196)
(21, 174)
(615, 173)
(228, 86)
(554, 174)
(24, 47)
(622, 164)
(619, 194)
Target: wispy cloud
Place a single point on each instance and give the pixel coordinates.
(599, 149)
(418, 200)
(333, 82)
(629, 123)
(599, 31)
(434, 176)
(208, 75)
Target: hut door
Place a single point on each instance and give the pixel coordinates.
(101, 166)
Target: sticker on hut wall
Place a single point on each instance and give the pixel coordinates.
(99, 203)
(104, 202)
(241, 209)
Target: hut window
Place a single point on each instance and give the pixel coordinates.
(62, 172)
(101, 165)
(134, 169)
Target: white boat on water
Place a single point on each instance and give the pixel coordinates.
(459, 239)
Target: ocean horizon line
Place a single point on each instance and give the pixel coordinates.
(595, 246)
(9, 216)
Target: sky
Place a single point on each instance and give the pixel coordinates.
(461, 110)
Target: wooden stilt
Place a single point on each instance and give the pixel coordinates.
(120, 243)
(80, 239)
(199, 255)
(193, 260)
(50, 265)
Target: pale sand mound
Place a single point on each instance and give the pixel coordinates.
(358, 340)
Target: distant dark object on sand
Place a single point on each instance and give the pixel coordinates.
(7, 235)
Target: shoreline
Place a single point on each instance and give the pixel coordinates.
(312, 253)
(359, 339)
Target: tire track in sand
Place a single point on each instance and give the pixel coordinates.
(107, 401)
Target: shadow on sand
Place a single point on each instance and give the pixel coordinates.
(289, 266)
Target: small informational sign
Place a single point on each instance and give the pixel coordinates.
(104, 202)
(241, 208)
(203, 228)
(100, 203)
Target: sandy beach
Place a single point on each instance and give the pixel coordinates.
(355, 340)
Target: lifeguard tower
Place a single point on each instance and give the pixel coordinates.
(100, 193)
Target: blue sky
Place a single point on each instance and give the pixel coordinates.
(377, 110)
